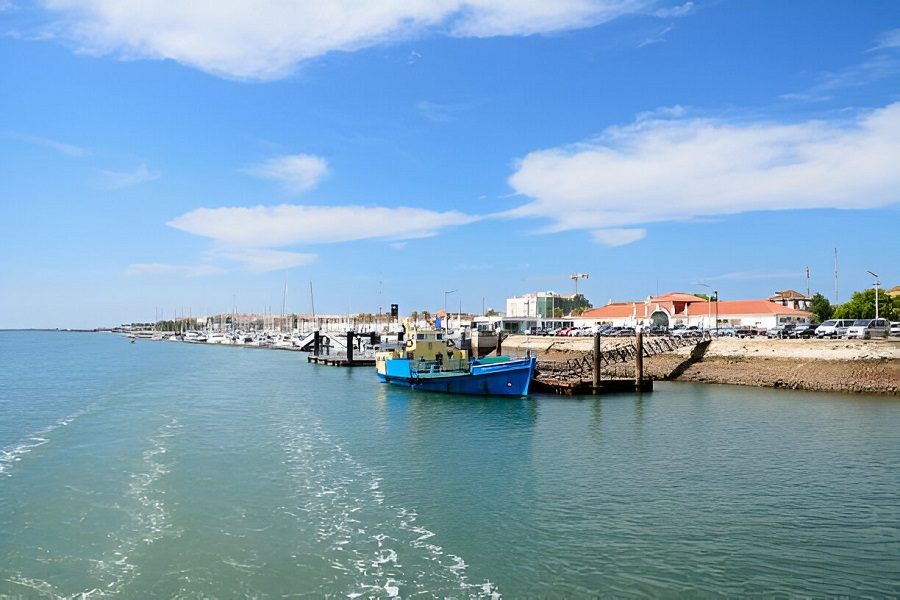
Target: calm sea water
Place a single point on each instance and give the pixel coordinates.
(165, 470)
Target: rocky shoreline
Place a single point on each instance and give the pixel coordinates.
(859, 366)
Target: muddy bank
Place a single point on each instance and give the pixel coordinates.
(870, 366)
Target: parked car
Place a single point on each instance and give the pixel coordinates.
(865, 329)
(833, 328)
(625, 332)
(725, 331)
(745, 332)
(657, 330)
(780, 331)
(692, 331)
(895, 328)
(804, 331)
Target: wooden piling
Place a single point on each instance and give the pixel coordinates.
(499, 343)
(350, 347)
(317, 343)
(596, 369)
(639, 361)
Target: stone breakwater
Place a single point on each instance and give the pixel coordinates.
(868, 366)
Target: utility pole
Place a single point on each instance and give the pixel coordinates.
(807, 282)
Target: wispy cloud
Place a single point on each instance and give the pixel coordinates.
(656, 38)
(440, 113)
(673, 12)
(295, 173)
(398, 245)
(888, 39)
(882, 62)
(267, 39)
(61, 147)
(618, 236)
(263, 260)
(170, 269)
(687, 168)
(114, 180)
(289, 224)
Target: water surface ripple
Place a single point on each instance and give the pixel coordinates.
(171, 470)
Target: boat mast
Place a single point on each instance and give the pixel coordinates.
(312, 302)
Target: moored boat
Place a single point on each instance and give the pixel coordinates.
(429, 361)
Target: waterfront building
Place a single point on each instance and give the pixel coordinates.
(540, 305)
(676, 308)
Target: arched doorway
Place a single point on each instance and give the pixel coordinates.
(659, 319)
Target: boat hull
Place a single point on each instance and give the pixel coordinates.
(511, 378)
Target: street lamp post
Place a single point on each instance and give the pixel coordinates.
(716, 293)
(877, 283)
(446, 293)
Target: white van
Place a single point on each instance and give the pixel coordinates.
(833, 328)
(865, 329)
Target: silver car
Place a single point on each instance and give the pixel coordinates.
(833, 328)
(865, 329)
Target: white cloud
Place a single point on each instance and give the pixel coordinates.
(263, 260)
(671, 12)
(61, 147)
(114, 180)
(889, 39)
(676, 169)
(398, 245)
(266, 39)
(656, 38)
(618, 236)
(169, 269)
(295, 173)
(287, 224)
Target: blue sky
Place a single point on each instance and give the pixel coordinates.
(156, 158)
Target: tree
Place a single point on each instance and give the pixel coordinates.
(821, 307)
(581, 302)
(862, 306)
(491, 313)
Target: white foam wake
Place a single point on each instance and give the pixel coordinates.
(375, 549)
(14, 453)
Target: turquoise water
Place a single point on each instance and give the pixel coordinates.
(161, 469)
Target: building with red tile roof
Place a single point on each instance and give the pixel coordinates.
(677, 308)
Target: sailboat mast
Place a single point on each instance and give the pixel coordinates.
(312, 302)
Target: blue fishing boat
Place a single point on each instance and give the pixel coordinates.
(430, 361)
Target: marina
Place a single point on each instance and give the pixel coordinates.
(166, 470)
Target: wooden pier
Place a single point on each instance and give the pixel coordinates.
(340, 361)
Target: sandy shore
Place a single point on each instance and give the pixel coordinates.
(871, 366)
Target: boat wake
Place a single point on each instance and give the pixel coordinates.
(373, 548)
(14, 453)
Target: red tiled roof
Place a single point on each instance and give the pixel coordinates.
(789, 295)
(677, 297)
(620, 310)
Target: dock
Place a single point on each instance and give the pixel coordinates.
(338, 360)
(350, 357)
(584, 375)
